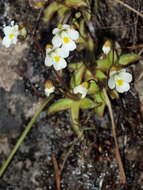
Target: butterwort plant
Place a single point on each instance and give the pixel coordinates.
(63, 42)
(87, 83)
(91, 83)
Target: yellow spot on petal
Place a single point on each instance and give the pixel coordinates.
(119, 82)
(66, 40)
(11, 36)
(57, 59)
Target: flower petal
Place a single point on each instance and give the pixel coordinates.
(126, 76)
(7, 30)
(48, 61)
(60, 65)
(6, 42)
(14, 40)
(15, 30)
(62, 52)
(124, 88)
(112, 73)
(70, 46)
(55, 31)
(106, 50)
(48, 91)
(80, 89)
(111, 83)
(48, 50)
(56, 41)
(73, 34)
(65, 26)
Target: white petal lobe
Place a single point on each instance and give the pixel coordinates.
(56, 41)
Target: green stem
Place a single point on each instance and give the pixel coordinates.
(22, 137)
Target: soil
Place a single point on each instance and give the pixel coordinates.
(91, 163)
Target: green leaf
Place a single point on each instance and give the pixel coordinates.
(38, 4)
(87, 14)
(75, 66)
(100, 75)
(128, 58)
(104, 64)
(93, 87)
(86, 103)
(51, 10)
(90, 45)
(60, 105)
(75, 108)
(82, 29)
(100, 100)
(112, 57)
(113, 94)
(77, 76)
(75, 3)
(99, 110)
(62, 13)
(88, 75)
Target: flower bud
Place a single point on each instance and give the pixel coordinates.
(107, 47)
(49, 88)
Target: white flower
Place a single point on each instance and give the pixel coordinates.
(55, 57)
(48, 91)
(60, 28)
(120, 80)
(11, 33)
(49, 88)
(82, 89)
(106, 47)
(65, 37)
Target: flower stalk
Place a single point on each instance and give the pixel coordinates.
(117, 152)
(22, 137)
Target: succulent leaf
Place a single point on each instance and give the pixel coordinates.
(50, 10)
(74, 111)
(104, 64)
(112, 57)
(75, 66)
(100, 75)
(75, 3)
(129, 58)
(77, 76)
(88, 75)
(86, 103)
(113, 94)
(100, 99)
(93, 87)
(62, 12)
(59, 105)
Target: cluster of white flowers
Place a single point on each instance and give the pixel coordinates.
(11, 34)
(119, 80)
(63, 42)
